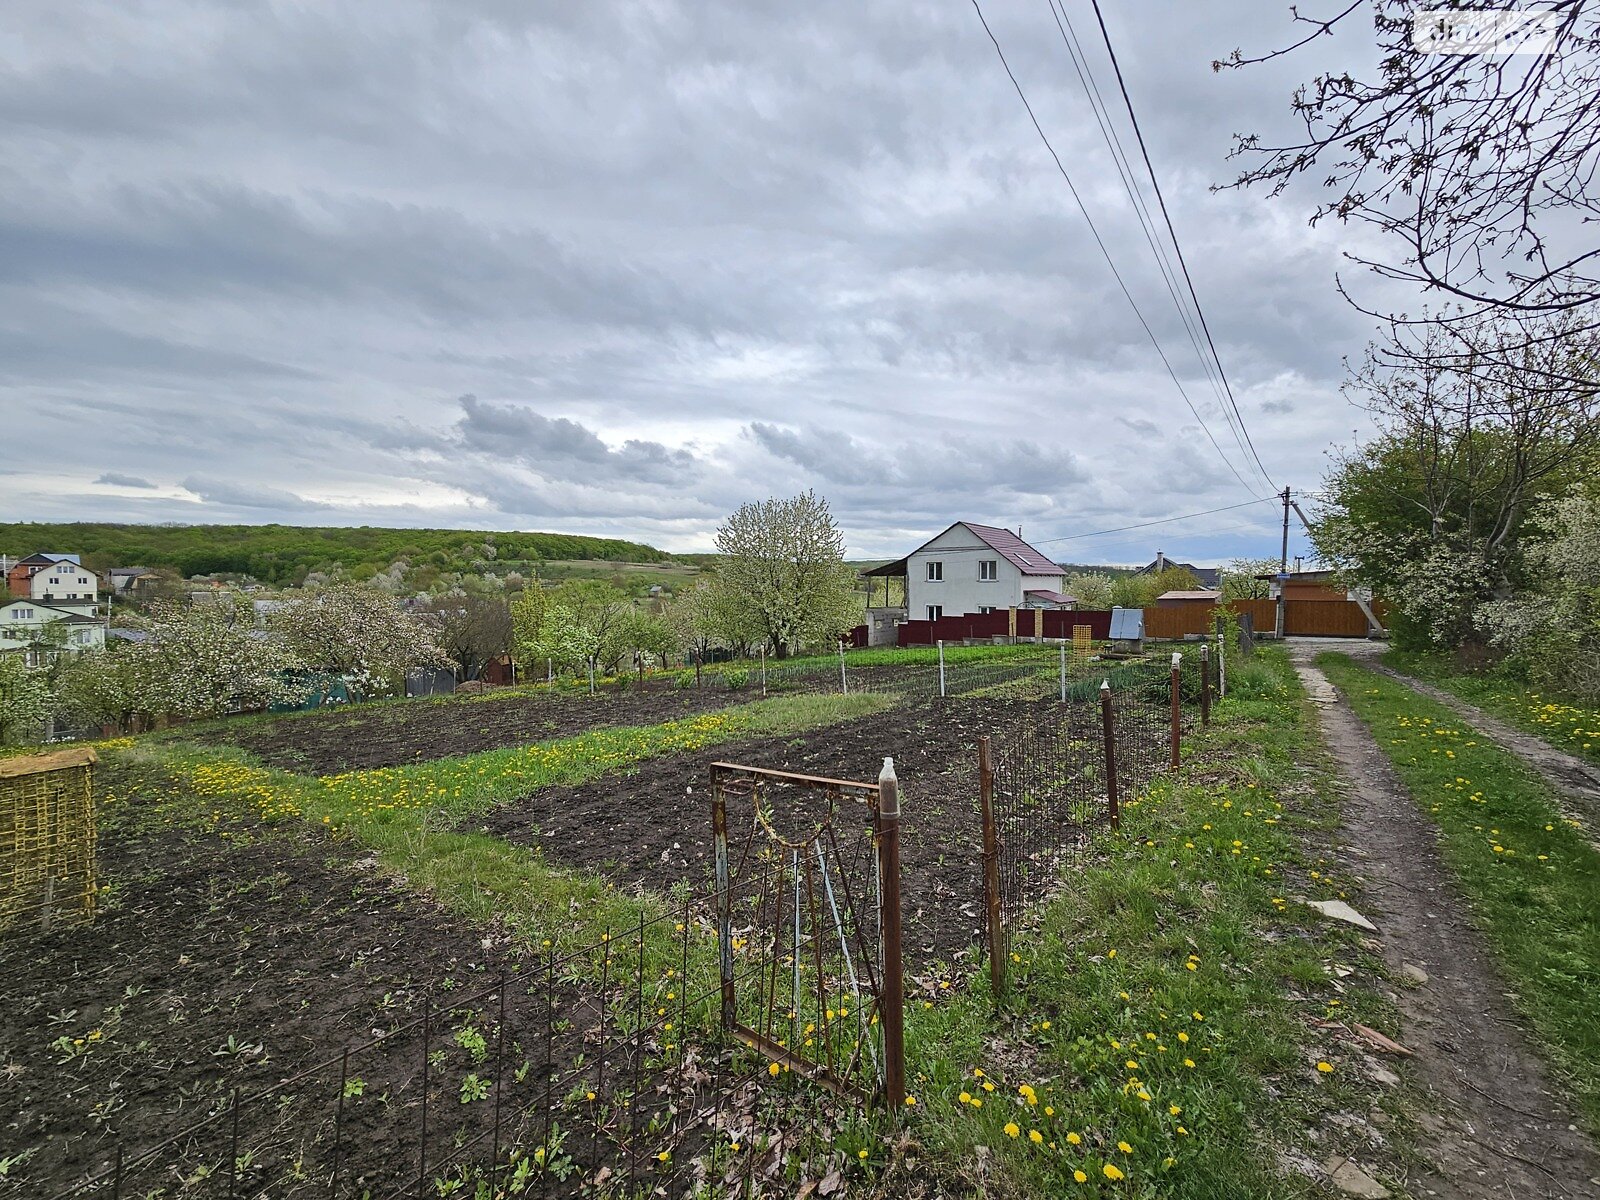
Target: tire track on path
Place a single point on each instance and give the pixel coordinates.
(1495, 1124)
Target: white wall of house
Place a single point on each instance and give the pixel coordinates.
(22, 620)
(965, 584)
(65, 584)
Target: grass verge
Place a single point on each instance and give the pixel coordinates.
(406, 815)
(1531, 876)
(1573, 728)
(1158, 1037)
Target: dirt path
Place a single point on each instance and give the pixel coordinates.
(1577, 781)
(1494, 1124)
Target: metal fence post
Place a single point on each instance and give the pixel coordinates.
(1109, 731)
(844, 680)
(1222, 658)
(1205, 683)
(591, 678)
(1177, 710)
(719, 833)
(991, 871)
(1063, 672)
(699, 658)
(941, 670)
(891, 1002)
(763, 670)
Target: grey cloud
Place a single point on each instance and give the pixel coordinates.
(117, 479)
(688, 254)
(556, 443)
(229, 494)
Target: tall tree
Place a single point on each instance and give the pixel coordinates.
(1241, 579)
(356, 631)
(712, 614)
(1092, 589)
(25, 700)
(473, 629)
(1430, 513)
(206, 659)
(1477, 167)
(527, 621)
(784, 560)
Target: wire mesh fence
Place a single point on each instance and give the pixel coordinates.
(691, 1052)
(1054, 773)
(602, 1070)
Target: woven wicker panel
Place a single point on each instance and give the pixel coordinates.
(47, 840)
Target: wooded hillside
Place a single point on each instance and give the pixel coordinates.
(284, 554)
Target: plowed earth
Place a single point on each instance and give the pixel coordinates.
(386, 735)
(652, 828)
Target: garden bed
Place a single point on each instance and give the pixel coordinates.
(219, 965)
(389, 735)
(651, 828)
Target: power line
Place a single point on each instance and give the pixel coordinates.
(1161, 200)
(1211, 366)
(1100, 242)
(1072, 537)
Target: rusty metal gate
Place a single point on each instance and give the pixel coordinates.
(808, 925)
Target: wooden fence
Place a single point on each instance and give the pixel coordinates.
(1303, 618)
(1184, 619)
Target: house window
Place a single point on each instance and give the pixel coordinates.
(24, 614)
(936, 572)
(935, 611)
(988, 570)
(985, 609)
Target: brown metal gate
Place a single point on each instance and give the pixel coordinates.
(808, 925)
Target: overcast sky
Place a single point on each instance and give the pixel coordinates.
(615, 268)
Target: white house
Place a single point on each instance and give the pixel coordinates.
(969, 568)
(22, 624)
(67, 585)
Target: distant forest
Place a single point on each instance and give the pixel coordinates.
(286, 554)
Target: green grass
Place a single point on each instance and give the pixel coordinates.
(1559, 720)
(888, 656)
(1205, 871)
(1532, 877)
(410, 816)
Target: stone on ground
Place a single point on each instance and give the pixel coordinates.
(1352, 1180)
(1338, 910)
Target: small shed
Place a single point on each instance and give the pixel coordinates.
(47, 837)
(1204, 597)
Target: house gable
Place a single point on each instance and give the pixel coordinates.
(970, 568)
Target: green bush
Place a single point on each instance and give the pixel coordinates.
(737, 680)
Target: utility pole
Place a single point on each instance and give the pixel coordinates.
(1283, 568)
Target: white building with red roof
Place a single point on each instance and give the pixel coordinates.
(972, 568)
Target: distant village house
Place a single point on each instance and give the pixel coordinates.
(969, 568)
(55, 601)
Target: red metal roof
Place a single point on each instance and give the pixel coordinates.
(1025, 558)
(1014, 550)
(1051, 597)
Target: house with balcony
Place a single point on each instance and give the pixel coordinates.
(55, 605)
(969, 568)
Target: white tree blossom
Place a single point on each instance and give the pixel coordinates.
(357, 632)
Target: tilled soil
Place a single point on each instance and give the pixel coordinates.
(217, 966)
(389, 735)
(652, 828)
(1498, 1126)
